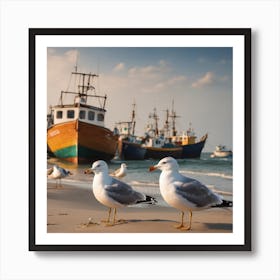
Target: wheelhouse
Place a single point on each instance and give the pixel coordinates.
(86, 113)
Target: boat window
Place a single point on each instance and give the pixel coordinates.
(70, 114)
(91, 115)
(82, 115)
(59, 114)
(100, 117)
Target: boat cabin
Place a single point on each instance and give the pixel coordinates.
(156, 142)
(86, 113)
(186, 138)
(124, 128)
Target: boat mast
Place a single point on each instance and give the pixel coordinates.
(156, 118)
(173, 116)
(85, 87)
(133, 122)
(166, 125)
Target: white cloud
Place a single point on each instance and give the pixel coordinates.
(207, 79)
(176, 79)
(119, 67)
(149, 71)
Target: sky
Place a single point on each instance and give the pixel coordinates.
(197, 79)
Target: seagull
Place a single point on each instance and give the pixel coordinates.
(57, 172)
(183, 193)
(120, 172)
(114, 193)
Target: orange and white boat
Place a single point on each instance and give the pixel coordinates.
(76, 132)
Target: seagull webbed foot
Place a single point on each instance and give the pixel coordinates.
(182, 227)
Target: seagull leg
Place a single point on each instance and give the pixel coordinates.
(115, 212)
(60, 183)
(181, 226)
(190, 217)
(182, 221)
(190, 222)
(121, 221)
(108, 218)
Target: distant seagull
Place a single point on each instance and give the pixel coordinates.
(120, 172)
(183, 193)
(114, 193)
(57, 173)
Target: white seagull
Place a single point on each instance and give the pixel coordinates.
(114, 193)
(57, 172)
(183, 193)
(120, 172)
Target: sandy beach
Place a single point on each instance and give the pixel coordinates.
(70, 207)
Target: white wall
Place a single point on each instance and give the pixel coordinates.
(17, 262)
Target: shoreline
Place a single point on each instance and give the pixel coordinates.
(70, 207)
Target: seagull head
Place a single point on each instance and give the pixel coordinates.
(123, 166)
(166, 164)
(99, 166)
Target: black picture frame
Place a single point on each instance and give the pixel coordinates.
(35, 32)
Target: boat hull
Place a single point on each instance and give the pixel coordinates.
(80, 142)
(223, 154)
(159, 153)
(133, 151)
(193, 150)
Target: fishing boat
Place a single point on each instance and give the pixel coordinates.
(221, 152)
(76, 131)
(156, 143)
(129, 145)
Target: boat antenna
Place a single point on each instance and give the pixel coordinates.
(166, 125)
(173, 116)
(156, 118)
(133, 117)
(76, 64)
(105, 98)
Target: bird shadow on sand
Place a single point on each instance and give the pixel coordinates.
(147, 220)
(219, 226)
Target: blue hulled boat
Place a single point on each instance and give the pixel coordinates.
(156, 143)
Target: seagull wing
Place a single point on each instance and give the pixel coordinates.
(196, 193)
(123, 193)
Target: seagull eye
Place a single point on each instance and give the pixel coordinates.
(98, 165)
(164, 162)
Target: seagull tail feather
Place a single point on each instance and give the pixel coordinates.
(148, 199)
(225, 203)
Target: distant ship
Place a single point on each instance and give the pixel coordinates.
(76, 131)
(221, 152)
(156, 144)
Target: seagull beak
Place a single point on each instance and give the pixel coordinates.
(88, 171)
(153, 168)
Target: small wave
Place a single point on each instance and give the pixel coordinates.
(212, 187)
(211, 174)
(142, 183)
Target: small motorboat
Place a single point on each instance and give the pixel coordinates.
(221, 152)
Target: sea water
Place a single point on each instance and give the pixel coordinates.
(215, 173)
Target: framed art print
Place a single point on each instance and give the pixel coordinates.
(140, 139)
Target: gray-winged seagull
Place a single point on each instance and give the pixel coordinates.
(114, 193)
(120, 172)
(57, 172)
(183, 193)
